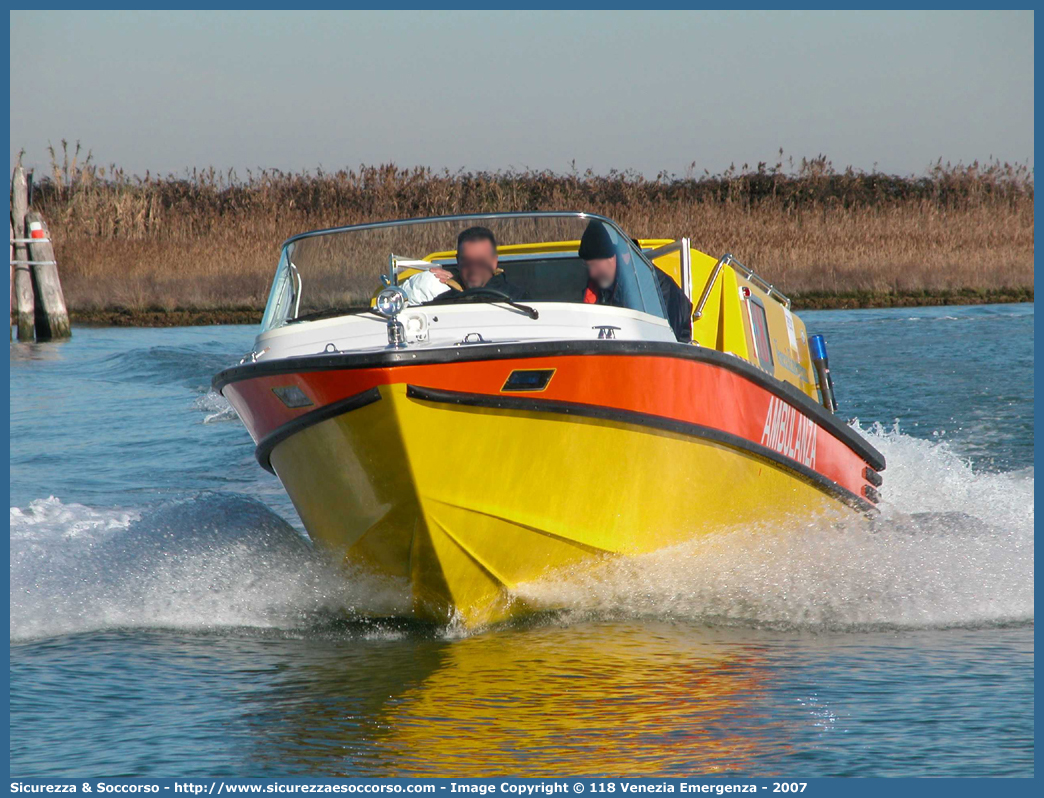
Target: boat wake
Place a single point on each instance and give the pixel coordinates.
(207, 562)
(953, 547)
(216, 407)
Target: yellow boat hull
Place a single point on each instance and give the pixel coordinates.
(465, 503)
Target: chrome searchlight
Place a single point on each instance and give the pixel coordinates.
(390, 303)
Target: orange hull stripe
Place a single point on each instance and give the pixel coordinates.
(683, 390)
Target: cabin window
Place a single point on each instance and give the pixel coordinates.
(648, 285)
(280, 298)
(760, 333)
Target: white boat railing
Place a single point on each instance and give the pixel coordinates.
(682, 247)
(756, 278)
(727, 260)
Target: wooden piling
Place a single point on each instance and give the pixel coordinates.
(11, 303)
(23, 280)
(52, 318)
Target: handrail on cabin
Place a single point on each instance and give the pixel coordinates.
(750, 274)
(697, 312)
(754, 277)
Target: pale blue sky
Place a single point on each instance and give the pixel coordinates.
(648, 91)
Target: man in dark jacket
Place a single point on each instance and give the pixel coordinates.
(603, 257)
(477, 265)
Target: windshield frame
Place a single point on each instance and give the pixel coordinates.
(269, 323)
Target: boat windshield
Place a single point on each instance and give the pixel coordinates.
(543, 257)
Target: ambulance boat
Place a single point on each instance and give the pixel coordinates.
(466, 404)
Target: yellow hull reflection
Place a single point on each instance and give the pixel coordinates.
(466, 503)
(622, 704)
(614, 699)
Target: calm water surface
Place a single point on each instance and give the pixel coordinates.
(168, 620)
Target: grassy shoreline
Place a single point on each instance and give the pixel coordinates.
(203, 246)
(190, 317)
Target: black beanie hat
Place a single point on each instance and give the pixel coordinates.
(596, 243)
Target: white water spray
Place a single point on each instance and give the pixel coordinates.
(218, 561)
(952, 547)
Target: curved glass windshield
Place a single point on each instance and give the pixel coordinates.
(550, 257)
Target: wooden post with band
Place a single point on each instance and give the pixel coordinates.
(36, 290)
(12, 297)
(23, 280)
(52, 318)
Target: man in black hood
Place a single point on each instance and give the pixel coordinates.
(603, 258)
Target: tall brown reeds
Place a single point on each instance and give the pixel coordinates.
(209, 239)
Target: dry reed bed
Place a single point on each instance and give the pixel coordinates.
(209, 240)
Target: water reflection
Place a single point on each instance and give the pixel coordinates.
(589, 700)
(33, 351)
